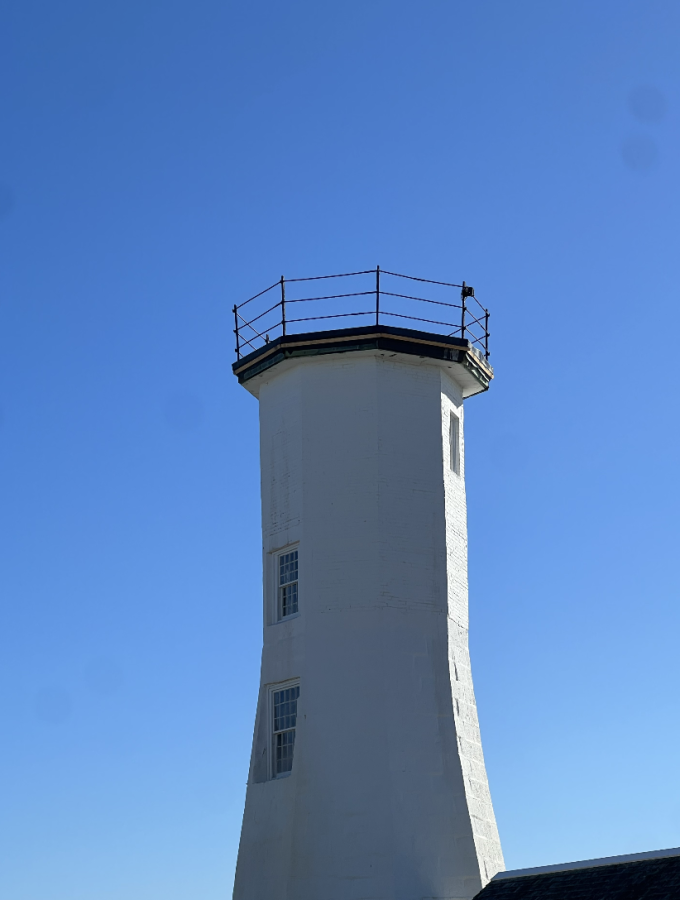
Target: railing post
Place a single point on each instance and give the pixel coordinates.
(283, 306)
(377, 295)
(486, 333)
(238, 349)
(463, 295)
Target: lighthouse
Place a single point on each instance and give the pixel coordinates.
(367, 779)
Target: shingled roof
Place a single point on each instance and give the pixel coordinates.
(641, 876)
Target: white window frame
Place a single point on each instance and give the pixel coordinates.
(454, 442)
(275, 605)
(271, 734)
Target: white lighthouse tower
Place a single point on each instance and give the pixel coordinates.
(367, 779)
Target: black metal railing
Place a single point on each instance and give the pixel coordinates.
(472, 319)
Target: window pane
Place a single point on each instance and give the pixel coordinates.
(454, 443)
(285, 708)
(288, 567)
(284, 751)
(289, 599)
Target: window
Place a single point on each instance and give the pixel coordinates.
(284, 712)
(454, 444)
(288, 584)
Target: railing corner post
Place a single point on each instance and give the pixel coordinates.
(377, 295)
(463, 295)
(283, 306)
(238, 348)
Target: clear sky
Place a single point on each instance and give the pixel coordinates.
(161, 160)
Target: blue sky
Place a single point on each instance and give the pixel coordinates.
(162, 160)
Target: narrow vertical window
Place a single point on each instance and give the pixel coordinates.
(285, 718)
(288, 584)
(454, 444)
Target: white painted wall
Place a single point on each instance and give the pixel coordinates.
(388, 798)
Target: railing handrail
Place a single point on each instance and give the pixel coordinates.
(474, 325)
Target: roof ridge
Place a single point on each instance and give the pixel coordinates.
(589, 863)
